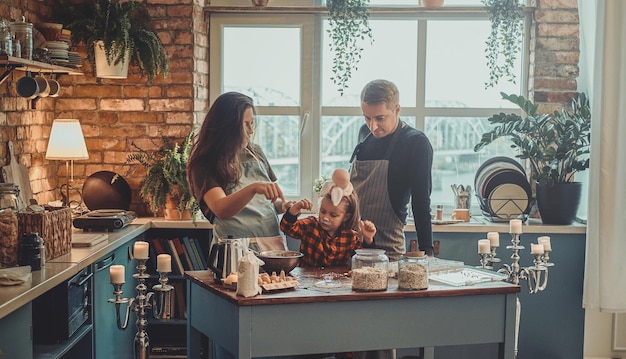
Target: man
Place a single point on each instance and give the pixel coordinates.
(391, 166)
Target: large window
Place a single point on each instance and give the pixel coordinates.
(307, 128)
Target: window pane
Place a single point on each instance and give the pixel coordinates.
(339, 135)
(279, 138)
(390, 57)
(454, 159)
(456, 67)
(264, 63)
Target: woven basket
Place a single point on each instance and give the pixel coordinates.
(8, 239)
(55, 227)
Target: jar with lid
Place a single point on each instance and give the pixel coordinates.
(370, 270)
(23, 35)
(6, 39)
(413, 271)
(9, 196)
(29, 251)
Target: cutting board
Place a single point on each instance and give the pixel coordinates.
(18, 174)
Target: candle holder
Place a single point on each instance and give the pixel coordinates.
(484, 260)
(536, 276)
(546, 258)
(492, 256)
(142, 302)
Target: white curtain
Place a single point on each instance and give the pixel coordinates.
(603, 78)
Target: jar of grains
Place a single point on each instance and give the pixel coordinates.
(369, 270)
(413, 271)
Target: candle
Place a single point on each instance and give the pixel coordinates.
(483, 246)
(516, 226)
(117, 274)
(164, 263)
(494, 239)
(140, 250)
(536, 248)
(545, 241)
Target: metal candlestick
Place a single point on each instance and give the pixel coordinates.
(546, 258)
(492, 256)
(484, 261)
(140, 304)
(536, 276)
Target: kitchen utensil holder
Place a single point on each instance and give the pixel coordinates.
(142, 302)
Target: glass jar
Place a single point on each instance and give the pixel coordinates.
(29, 253)
(370, 270)
(9, 194)
(413, 271)
(6, 39)
(23, 36)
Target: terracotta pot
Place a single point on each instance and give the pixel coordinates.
(171, 212)
(431, 3)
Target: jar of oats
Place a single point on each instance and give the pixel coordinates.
(369, 270)
(413, 271)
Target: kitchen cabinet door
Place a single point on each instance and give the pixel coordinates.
(15, 338)
(111, 342)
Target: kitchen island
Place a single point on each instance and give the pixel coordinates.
(308, 319)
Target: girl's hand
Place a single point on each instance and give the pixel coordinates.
(299, 206)
(368, 230)
(286, 205)
(270, 190)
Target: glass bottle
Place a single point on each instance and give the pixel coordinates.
(413, 271)
(370, 270)
(6, 40)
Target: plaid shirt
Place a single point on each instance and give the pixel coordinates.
(319, 249)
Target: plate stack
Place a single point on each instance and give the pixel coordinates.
(59, 51)
(502, 189)
(75, 60)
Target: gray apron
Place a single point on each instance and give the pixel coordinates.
(259, 217)
(369, 179)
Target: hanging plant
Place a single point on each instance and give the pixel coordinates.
(505, 39)
(349, 27)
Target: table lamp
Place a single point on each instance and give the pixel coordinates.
(67, 143)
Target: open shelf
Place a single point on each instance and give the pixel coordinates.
(11, 63)
(53, 351)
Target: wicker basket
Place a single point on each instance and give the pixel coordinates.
(8, 239)
(54, 226)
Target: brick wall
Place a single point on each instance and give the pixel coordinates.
(114, 113)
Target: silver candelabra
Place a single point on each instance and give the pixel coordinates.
(141, 304)
(536, 276)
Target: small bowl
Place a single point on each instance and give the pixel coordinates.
(278, 260)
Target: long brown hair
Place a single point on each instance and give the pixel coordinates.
(353, 215)
(220, 140)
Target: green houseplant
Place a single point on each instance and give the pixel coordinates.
(122, 27)
(556, 146)
(349, 26)
(504, 42)
(166, 175)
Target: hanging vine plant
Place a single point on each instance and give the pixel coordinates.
(349, 27)
(504, 43)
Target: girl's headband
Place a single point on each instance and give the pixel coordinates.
(336, 192)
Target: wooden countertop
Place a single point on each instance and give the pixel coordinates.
(306, 292)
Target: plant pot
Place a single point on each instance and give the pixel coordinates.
(171, 211)
(106, 70)
(431, 3)
(558, 204)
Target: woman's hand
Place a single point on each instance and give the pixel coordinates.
(270, 190)
(297, 207)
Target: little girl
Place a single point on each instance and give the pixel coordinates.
(331, 238)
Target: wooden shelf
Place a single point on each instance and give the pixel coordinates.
(35, 66)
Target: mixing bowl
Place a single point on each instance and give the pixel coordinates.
(278, 260)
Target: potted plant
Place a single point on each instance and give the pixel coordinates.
(165, 184)
(349, 25)
(556, 146)
(121, 29)
(505, 38)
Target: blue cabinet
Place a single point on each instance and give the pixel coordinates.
(15, 334)
(109, 341)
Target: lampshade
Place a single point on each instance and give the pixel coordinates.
(66, 141)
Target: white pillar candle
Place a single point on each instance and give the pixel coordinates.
(483, 246)
(494, 239)
(536, 248)
(164, 263)
(140, 250)
(117, 274)
(515, 226)
(545, 241)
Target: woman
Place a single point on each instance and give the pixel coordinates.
(230, 176)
